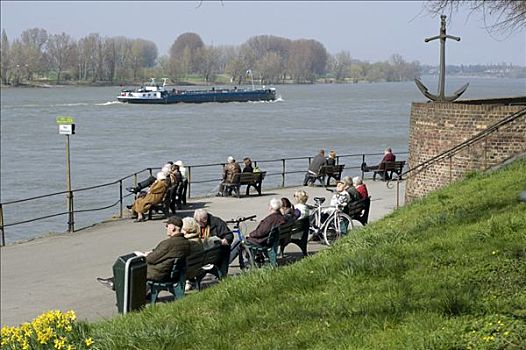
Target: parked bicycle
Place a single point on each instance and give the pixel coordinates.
(329, 227)
(239, 246)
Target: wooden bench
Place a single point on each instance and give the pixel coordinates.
(268, 249)
(249, 179)
(296, 232)
(163, 206)
(326, 172)
(359, 210)
(387, 168)
(195, 266)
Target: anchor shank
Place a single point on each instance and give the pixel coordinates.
(442, 79)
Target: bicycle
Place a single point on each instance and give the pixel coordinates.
(239, 248)
(333, 227)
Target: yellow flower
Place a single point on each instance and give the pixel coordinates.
(59, 343)
(88, 341)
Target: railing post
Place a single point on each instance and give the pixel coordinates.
(189, 178)
(120, 198)
(363, 161)
(2, 224)
(283, 173)
(135, 180)
(71, 217)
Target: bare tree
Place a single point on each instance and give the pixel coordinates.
(60, 48)
(5, 58)
(499, 15)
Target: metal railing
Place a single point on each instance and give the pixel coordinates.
(282, 172)
(448, 154)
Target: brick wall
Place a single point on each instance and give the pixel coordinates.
(437, 126)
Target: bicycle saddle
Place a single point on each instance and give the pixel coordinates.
(319, 200)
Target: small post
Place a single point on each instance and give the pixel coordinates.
(2, 224)
(283, 173)
(189, 177)
(450, 169)
(120, 198)
(363, 161)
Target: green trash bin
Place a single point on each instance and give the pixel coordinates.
(129, 273)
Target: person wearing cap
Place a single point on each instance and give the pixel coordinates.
(155, 195)
(229, 172)
(160, 260)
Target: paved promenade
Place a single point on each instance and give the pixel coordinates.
(59, 272)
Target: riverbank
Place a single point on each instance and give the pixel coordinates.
(60, 271)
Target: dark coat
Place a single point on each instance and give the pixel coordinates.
(160, 261)
(260, 234)
(219, 228)
(317, 163)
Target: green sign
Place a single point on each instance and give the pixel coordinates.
(65, 120)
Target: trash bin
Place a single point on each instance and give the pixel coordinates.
(129, 273)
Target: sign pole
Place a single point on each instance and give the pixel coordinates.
(71, 220)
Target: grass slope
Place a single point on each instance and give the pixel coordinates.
(446, 272)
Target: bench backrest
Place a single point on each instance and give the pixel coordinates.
(356, 207)
(249, 178)
(396, 165)
(196, 261)
(296, 228)
(331, 169)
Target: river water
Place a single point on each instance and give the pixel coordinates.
(114, 140)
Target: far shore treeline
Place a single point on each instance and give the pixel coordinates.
(38, 57)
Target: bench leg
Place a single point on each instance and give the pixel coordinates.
(258, 188)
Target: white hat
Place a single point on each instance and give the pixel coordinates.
(230, 159)
(167, 169)
(161, 176)
(179, 163)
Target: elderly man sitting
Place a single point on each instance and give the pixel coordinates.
(274, 219)
(229, 172)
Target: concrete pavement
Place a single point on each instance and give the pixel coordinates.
(59, 272)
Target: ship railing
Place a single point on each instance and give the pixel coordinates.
(107, 201)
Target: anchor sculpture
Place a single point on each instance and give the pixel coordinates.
(441, 84)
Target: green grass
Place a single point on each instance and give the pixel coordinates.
(447, 272)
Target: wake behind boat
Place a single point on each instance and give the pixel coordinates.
(155, 94)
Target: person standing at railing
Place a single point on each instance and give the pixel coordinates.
(154, 196)
(314, 168)
(182, 169)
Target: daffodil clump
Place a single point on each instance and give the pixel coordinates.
(51, 330)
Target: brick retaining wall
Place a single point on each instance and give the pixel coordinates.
(437, 126)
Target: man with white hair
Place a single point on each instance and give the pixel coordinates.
(214, 228)
(360, 187)
(150, 180)
(274, 219)
(229, 172)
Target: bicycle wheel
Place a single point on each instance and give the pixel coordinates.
(335, 227)
(246, 258)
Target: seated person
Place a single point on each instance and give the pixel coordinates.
(248, 165)
(229, 172)
(388, 157)
(212, 230)
(332, 158)
(314, 168)
(340, 199)
(149, 181)
(287, 210)
(160, 260)
(154, 196)
(275, 218)
(360, 187)
(191, 231)
(353, 193)
(301, 210)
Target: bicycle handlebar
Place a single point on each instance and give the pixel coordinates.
(241, 219)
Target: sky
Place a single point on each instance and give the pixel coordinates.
(370, 31)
